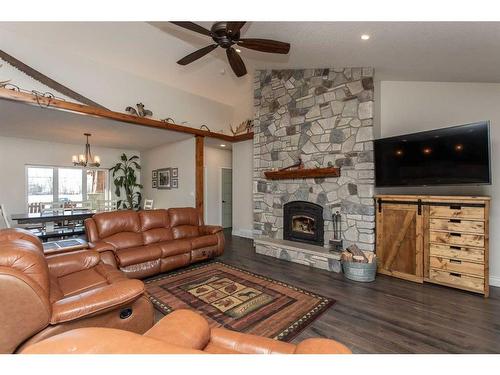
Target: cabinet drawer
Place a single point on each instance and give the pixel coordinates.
(457, 225)
(456, 238)
(457, 265)
(458, 211)
(458, 280)
(457, 252)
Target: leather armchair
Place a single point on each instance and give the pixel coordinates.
(146, 243)
(181, 332)
(41, 297)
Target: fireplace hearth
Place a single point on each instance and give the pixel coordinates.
(303, 222)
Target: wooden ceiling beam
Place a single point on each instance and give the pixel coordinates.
(45, 102)
(47, 81)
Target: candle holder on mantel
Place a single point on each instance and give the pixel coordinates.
(336, 241)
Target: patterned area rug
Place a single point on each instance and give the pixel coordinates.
(239, 300)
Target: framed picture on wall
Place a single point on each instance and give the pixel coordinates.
(175, 172)
(164, 178)
(154, 184)
(155, 174)
(175, 183)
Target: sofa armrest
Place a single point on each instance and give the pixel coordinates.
(12, 234)
(246, 344)
(67, 263)
(184, 328)
(101, 246)
(321, 346)
(210, 229)
(96, 301)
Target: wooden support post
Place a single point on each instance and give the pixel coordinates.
(200, 161)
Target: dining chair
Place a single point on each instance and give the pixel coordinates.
(34, 208)
(148, 204)
(3, 215)
(107, 205)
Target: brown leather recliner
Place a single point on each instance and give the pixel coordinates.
(181, 332)
(146, 243)
(41, 297)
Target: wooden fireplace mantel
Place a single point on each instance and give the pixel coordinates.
(294, 174)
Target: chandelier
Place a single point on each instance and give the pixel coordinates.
(86, 160)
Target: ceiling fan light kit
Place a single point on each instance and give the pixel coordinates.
(226, 35)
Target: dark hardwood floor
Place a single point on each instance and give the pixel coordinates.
(388, 315)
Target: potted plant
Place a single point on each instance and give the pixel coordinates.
(125, 179)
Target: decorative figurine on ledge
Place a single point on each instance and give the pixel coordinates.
(140, 111)
(241, 128)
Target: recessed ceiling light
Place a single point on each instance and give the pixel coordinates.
(237, 50)
(223, 145)
(365, 37)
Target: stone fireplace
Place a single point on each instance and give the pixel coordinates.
(303, 222)
(325, 118)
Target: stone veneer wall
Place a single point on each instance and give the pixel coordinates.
(324, 116)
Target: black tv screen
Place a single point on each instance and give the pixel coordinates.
(449, 156)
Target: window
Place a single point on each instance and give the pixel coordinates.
(53, 184)
(70, 185)
(40, 184)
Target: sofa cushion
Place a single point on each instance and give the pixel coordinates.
(185, 231)
(80, 282)
(175, 247)
(155, 226)
(110, 223)
(135, 255)
(204, 241)
(125, 240)
(184, 216)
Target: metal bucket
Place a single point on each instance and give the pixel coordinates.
(364, 272)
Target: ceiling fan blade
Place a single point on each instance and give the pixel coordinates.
(265, 45)
(193, 27)
(236, 62)
(234, 27)
(197, 54)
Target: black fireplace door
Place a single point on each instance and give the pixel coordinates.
(303, 222)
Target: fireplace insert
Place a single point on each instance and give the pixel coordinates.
(303, 222)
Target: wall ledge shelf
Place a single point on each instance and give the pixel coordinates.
(294, 174)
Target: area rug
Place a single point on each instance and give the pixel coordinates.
(238, 300)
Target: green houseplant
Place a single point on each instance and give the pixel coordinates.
(125, 179)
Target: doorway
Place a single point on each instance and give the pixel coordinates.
(227, 197)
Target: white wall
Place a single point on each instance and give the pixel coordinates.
(215, 160)
(179, 155)
(242, 189)
(415, 106)
(16, 153)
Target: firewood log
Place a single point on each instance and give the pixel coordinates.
(356, 252)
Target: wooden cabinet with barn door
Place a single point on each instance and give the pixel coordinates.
(399, 240)
(443, 240)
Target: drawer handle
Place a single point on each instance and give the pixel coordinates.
(455, 274)
(455, 221)
(455, 261)
(456, 234)
(455, 248)
(455, 207)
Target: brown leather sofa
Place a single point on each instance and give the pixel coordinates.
(41, 297)
(146, 243)
(181, 332)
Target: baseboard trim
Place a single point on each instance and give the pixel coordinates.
(246, 233)
(494, 281)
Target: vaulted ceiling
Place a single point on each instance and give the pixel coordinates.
(443, 51)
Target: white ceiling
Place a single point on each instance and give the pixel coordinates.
(422, 51)
(44, 124)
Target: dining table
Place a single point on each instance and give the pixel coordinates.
(47, 219)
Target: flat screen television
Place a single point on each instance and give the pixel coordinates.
(448, 156)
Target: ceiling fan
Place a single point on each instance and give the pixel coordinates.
(226, 35)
